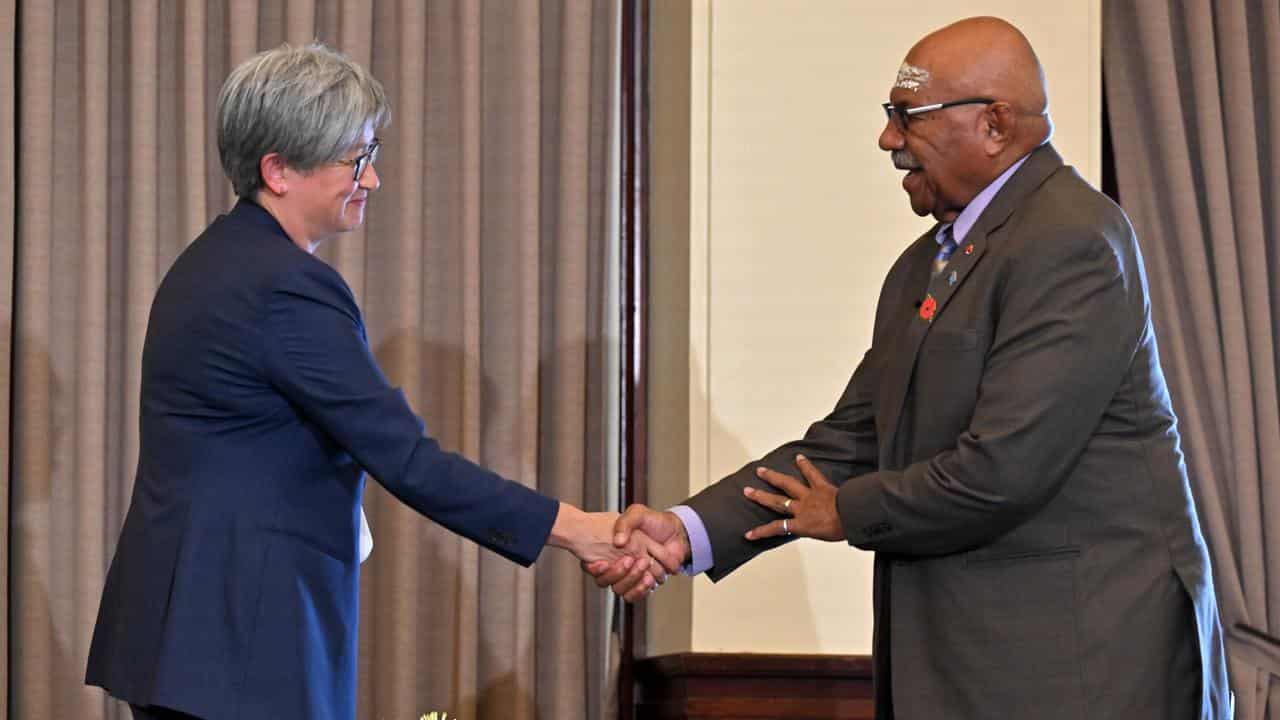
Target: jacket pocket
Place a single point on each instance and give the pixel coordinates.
(1016, 634)
(1005, 558)
(952, 339)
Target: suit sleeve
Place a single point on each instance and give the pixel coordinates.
(319, 359)
(842, 445)
(1069, 323)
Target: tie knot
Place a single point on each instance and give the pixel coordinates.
(946, 238)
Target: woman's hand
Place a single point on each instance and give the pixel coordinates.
(590, 537)
(664, 528)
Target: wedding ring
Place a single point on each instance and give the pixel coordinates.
(785, 530)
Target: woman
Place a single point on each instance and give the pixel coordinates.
(233, 590)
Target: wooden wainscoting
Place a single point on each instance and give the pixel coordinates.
(737, 686)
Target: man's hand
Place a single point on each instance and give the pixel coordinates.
(639, 521)
(590, 537)
(812, 507)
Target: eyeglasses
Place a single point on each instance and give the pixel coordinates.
(900, 114)
(362, 161)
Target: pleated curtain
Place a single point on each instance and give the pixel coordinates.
(1194, 102)
(482, 272)
(8, 83)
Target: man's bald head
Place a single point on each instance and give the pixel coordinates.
(979, 101)
(984, 57)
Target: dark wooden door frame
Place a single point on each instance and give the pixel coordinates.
(634, 227)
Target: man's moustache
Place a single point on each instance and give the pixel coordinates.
(903, 160)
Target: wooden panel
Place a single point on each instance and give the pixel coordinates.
(633, 194)
(745, 686)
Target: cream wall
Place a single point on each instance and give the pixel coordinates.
(774, 219)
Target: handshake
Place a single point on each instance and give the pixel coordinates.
(634, 552)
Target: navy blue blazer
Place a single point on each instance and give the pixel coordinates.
(233, 590)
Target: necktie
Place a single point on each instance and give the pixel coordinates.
(946, 246)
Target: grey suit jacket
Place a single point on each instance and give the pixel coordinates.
(1008, 449)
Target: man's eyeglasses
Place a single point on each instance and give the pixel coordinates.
(899, 115)
(362, 161)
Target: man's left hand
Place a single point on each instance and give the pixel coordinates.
(811, 507)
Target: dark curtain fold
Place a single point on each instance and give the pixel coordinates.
(1194, 102)
(480, 273)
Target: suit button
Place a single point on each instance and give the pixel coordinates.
(879, 528)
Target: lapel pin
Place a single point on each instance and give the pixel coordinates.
(968, 249)
(951, 280)
(927, 308)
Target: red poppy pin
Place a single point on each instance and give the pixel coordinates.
(968, 250)
(928, 307)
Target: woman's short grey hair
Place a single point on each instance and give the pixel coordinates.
(310, 104)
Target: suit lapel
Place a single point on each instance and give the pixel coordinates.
(939, 291)
(897, 372)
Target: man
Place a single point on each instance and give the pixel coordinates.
(1006, 447)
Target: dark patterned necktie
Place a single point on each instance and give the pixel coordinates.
(947, 245)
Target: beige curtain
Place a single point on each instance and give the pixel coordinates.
(8, 79)
(480, 273)
(1194, 100)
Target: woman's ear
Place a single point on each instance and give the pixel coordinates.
(275, 173)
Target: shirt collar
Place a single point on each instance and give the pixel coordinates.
(967, 217)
